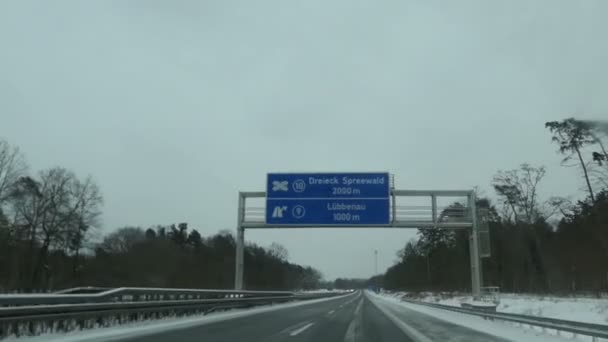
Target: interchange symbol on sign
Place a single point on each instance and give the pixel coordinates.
(280, 186)
(298, 186)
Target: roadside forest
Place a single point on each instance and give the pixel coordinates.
(543, 245)
(50, 239)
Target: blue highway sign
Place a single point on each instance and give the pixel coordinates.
(328, 199)
(328, 185)
(328, 211)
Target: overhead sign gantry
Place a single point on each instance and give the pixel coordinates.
(356, 200)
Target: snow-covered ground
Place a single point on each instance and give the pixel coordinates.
(581, 309)
(324, 291)
(503, 330)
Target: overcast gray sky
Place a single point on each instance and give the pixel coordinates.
(175, 106)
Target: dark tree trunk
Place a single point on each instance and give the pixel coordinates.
(580, 158)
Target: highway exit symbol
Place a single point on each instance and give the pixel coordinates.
(278, 211)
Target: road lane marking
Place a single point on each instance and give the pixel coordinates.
(404, 327)
(352, 300)
(358, 309)
(353, 329)
(296, 332)
(293, 327)
(331, 312)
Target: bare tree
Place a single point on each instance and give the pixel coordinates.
(598, 171)
(598, 130)
(562, 205)
(598, 168)
(518, 190)
(12, 166)
(27, 204)
(572, 135)
(279, 251)
(88, 200)
(122, 240)
(54, 209)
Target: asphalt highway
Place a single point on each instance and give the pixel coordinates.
(357, 317)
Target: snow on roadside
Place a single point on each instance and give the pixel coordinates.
(588, 310)
(323, 291)
(580, 309)
(499, 329)
(155, 326)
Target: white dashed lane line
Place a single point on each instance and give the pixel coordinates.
(299, 330)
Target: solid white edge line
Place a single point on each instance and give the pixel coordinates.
(353, 327)
(406, 328)
(297, 331)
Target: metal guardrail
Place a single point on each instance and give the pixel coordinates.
(586, 329)
(35, 314)
(83, 289)
(131, 294)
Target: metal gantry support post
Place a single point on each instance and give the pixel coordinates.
(434, 209)
(240, 245)
(394, 206)
(472, 225)
(474, 249)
